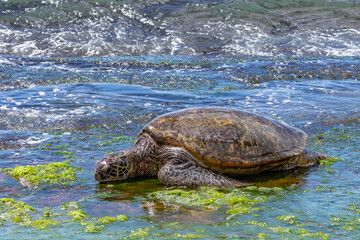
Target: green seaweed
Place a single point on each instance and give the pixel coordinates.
(187, 236)
(333, 135)
(349, 228)
(78, 215)
(106, 219)
(256, 223)
(18, 212)
(261, 236)
(43, 223)
(140, 233)
(208, 197)
(114, 140)
(70, 206)
(15, 211)
(305, 233)
(241, 210)
(288, 218)
(93, 228)
(60, 173)
(239, 201)
(92, 225)
(13, 204)
(329, 161)
(281, 229)
(227, 88)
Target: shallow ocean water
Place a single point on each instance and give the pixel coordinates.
(74, 109)
(79, 97)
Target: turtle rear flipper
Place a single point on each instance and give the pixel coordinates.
(180, 173)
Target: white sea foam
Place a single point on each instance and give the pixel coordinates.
(34, 140)
(4, 107)
(116, 29)
(286, 101)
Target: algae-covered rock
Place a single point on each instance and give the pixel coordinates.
(287, 218)
(92, 225)
(18, 212)
(60, 173)
(78, 215)
(140, 233)
(237, 201)
(106, 219)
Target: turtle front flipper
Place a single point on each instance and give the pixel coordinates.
(192, 175)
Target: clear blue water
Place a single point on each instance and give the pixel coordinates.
(75, 76)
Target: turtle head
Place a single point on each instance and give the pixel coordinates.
(114, 167)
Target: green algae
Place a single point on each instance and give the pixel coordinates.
(91, 225)
(240, 210)
(237, 202)
(354, 208)
(13, 204)
(329, 161)
(262, 236)
(140, 233)
(281, 230)
(256, 189)
(256, 223)
(43, 223)
(60, 173)
(288, 218)
(187, 236)
(93, 228)
(210, 197)
(242, 204)
(349, 228)
(334, 135)
(322, 188)
(78, 215)
(50, 214)
(70, 206)
(106, 219)
(114, 140)
(303, 233)
(227, 89)
(17, 212)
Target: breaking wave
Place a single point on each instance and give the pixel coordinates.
(45, 28)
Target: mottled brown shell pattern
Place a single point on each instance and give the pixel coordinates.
(226, 140)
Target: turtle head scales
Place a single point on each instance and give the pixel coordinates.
(114, 167)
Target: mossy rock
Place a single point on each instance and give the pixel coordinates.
(61, 173)
(19, 213)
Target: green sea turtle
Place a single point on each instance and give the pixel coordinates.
(208, 147)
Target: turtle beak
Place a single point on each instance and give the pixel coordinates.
(99, 176)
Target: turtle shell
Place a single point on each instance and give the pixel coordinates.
(228, 141)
